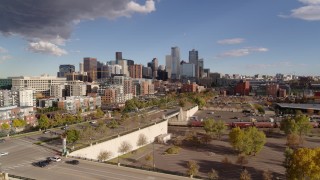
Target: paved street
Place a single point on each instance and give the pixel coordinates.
(23, 153)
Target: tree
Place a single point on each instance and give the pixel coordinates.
(142, 140)
(293, 140)
(249, 141)
(104, 155)
(99, 113)
(5, 126)
(214, 128)
(148, 158)
(300, 124)
(44, 122)
(73, 135)
(303, 164)
(102, 128)
(236, 137)
(200, 102)
(213, 175)
(245, 175)
(242, 160)
(256, 138)
(18, 123)
(267, 175)
(87, 133)
(193, 168)
(125, 147)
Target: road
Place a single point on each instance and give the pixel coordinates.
(23, 153)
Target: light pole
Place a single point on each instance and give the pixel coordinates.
(154, 165)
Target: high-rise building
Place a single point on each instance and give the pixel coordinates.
(175, 55)
(124, 65)
(201, 67)
(169, 65)
(90, 66)
(118, 56)
(154, 67)
(135, 71)
(146, 72)
(64, 69)
(188, 70)
(130, 62)
(81, 70)
(194, 58)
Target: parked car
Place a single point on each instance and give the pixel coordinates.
(55, 158)
(3, 153)
(73, 162)
(42, 163)
(46, 132)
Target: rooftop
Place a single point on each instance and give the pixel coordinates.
(299, 106)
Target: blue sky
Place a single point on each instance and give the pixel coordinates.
(237, 37)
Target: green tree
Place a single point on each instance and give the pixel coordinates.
(148, 158)
(72, 135)
(18, 123)
(99, 113)
(249, 141)
(193, 168)
(303, 164)
(5, 126)
(44, 122)
(300, 125)
(256, 138)
(214, 128)
(236, 137)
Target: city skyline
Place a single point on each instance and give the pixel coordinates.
(247, 37)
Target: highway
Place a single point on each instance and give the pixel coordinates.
(23, 153)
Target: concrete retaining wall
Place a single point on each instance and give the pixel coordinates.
(113, 145)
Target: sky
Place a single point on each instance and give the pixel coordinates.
(233, 37)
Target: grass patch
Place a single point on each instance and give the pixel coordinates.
(47, 140)
(173, 150)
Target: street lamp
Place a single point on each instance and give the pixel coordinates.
(154, 165)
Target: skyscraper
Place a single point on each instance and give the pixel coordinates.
(200, 67)
(136, 71)
(90, 66)
(118, 56)
(64, 69)
(81, 70)
(154, 68)
(169, 65)
(194, 58)
(175, 55)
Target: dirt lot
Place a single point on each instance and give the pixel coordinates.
(210, 157)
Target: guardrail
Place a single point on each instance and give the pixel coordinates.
(19, 177)
(157, 170)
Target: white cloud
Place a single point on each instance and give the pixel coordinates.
(310, 1)
(3, 50)
(58, 18)
(231, 41)
(135, 7)
(46, 48)
(241, 52)
(5, 58)
(310, 11)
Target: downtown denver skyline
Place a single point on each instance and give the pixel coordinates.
(247, 37)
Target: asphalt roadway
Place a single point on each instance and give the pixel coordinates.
(23, 153)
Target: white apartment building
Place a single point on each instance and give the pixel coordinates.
(40, 84)
(26, 97)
